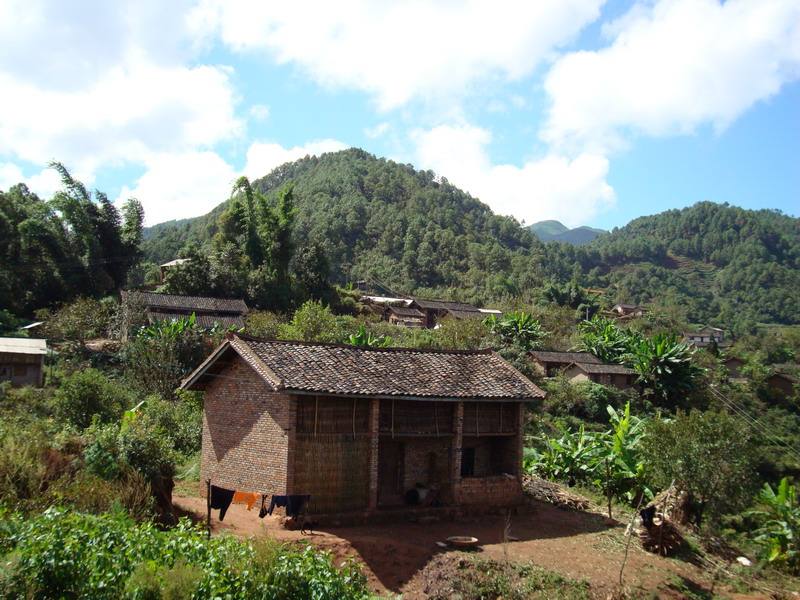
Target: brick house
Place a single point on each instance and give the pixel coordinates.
(22, 361)
(358, 428)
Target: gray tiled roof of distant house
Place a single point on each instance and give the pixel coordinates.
(402, 311)
(206, 321)
(307, 367)
(155, 301)
(565, 357)
(601, 369)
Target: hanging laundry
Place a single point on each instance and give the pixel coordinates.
(245, 498)
(293, 503)
(221, 499)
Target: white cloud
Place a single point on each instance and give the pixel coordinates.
(97, 84)
(553, 187)
(190, 184)
(124, 118)
(177, 186)
(399, 51)
(44, 183)
(378, 131)
(673, 66)
(262, 157)
(259, 112)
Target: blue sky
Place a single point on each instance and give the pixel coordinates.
(585, 111)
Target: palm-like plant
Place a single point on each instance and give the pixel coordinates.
(779, 533)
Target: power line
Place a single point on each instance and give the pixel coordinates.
(765, 430)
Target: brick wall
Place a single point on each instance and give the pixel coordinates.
(417, 467)
(248, 433)
(495, 490)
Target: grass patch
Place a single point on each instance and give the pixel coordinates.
(477, 578)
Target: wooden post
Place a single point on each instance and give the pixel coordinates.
(208, 507)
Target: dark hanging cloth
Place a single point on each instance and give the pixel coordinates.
(296, 504)
(263, 512)
(293, 503)
(648, 514)
(221, 499)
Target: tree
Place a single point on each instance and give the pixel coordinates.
(664, 364)
(709, 455)
(160, 356)
(517, 328)
(605, 339)
(77, 321)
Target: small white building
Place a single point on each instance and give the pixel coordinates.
(22, 361)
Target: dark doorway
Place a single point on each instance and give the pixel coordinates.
(390, 473)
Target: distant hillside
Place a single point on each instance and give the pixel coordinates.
(411, 232)
(555, 231)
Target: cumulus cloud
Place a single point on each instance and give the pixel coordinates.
(572, 190)
(44, 184)
(404, 50)
(262, 157)
(177, 186)
(672, 66)
(123, 118)
(190, 184)
(106, 84)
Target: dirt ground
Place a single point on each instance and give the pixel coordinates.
(573, 543)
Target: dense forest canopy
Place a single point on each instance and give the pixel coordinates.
(74, 244)
(412, 232)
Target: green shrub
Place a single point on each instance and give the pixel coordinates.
(61, 554)
(87, 393)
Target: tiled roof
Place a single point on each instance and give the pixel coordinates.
(379, 372)
(23, 346)
(565, 357)
(601, 369)
(401, 311)
(190, 304)
(444, 305)
(207, 321)
(466, 314)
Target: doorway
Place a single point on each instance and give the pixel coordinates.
(391, 456)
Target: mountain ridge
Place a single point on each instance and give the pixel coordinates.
(417, 234)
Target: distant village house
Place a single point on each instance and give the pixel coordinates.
(22, 361)
(629, 310)
(362, 429)
(706, 337)
(208, 312)
(581, 366)
(427, 314)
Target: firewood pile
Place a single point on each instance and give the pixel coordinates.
(553, 493)
(662, 538)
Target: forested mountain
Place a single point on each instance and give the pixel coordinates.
(555, 231)
(412, 232)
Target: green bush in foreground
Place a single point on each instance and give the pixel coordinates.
(61, 554)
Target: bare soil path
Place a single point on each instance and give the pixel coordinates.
(573, 543)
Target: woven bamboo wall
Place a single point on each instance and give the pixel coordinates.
(334, 469)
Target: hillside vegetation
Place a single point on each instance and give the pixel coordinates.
(414, 233)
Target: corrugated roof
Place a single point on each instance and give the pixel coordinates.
(565, 357)
(465, 314)
(23, 346)
(444, 305)
(190, 304)
(380, 372)
(601, 369)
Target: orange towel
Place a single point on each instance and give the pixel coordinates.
(245, 498)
